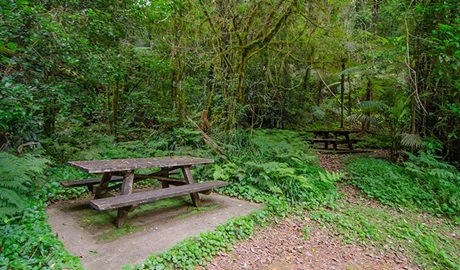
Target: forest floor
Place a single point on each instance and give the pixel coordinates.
(285, 246)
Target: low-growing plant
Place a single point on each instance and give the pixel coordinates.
(27, 242)
(430, 241)
(440, 178)
(424, 183)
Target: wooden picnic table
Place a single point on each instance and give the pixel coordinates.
(333, 137)
(123, 170)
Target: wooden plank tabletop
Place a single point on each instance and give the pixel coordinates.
(118, 165)
(337, 131)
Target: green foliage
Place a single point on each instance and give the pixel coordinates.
(27, 242)
(424, 238)
(275, 163)
(20, 177)
(424, 183)
(440, 178)
(16, 106)
(391, 118)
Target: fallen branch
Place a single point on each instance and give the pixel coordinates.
(206, 138)
(19, 150)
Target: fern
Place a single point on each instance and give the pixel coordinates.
(18, 176)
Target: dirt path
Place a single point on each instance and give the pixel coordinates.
(286, 245)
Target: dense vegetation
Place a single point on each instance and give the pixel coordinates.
(127, 65)
(111, 79)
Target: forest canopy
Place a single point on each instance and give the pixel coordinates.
(125, 65)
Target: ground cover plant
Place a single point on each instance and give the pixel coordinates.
(26, 240)
(421, 213)
(423, 182)
(431, 242)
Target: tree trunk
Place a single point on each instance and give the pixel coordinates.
(342, 92)
(49, 117)
(349, 95)
(366, 125)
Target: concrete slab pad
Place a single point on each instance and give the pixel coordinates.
(151, 228)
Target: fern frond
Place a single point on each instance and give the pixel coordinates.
(10, 198)
(331, 176)
(18, 175)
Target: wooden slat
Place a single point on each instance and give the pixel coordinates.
(148, 196)
(89, 181)
(326, 140)
(118, 165)
(137, 177)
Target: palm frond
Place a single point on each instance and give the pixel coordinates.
(411, 140)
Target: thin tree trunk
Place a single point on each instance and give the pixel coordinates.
(342, 93)
(349, 95)
(365, 126)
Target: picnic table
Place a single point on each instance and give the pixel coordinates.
(122, 172)
(333, 137)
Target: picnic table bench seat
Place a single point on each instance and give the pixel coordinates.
(91, 182)
(334, 142)
(134, 199)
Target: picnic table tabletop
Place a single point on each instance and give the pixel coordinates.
(335, 131)
(119, 165)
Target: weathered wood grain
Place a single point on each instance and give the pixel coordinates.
(149, 196)
(118, 165)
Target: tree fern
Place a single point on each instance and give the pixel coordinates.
(18, 176)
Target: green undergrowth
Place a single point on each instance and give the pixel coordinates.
(422, 183)
(27, 242)
(431, 242)
(420, 216)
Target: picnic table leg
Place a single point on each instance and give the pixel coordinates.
(350, 145)
(126, 188)
(326, 143)
(189, 180)
(100, 190)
